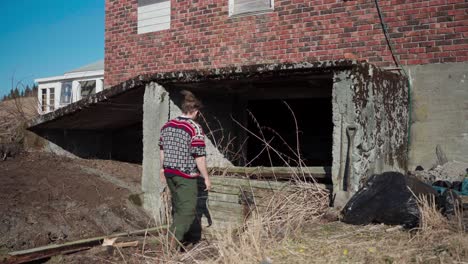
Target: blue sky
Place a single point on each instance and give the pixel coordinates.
(42, 38)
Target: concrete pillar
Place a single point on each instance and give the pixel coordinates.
(342, 116)
(155, 114)
(370, 121)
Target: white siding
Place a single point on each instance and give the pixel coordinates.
(237, 7)
(99, 85)
(153, 15)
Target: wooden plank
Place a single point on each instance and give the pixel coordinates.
(229, 198)
(236, 190)
(226, 214)
(38, 253)
(222, 219)
(227, 189)
(230, 188)
(218, 205)
(258, 193)
(233, 181)
(226, 203)
(221, 224)
(225, 208)
(270, 172)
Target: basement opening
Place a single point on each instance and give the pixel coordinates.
(311, 141)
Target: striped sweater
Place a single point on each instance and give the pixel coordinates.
(182, 140)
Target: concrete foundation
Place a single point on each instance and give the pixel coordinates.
(372, 105)
(366, 101)
(440, 113)
(123, 144)
(89, 144)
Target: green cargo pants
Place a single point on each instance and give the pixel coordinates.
(184, 201)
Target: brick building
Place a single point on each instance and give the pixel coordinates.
(428, 37)
(202, 34)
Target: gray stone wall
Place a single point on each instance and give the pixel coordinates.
(77, 143)
(155, 112)
(440, 112)
(374, 103)
(124, 144)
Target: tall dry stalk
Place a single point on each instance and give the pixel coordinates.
(430, 217)
(281, 220)
(15, 115)
(285, 214)
(431, 220)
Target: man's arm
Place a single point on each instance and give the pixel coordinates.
(201, 165)
(161, 166)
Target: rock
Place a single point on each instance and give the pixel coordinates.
(266, 260)
(419, 168)
(440, 154)
(9, 150)
(451, 171)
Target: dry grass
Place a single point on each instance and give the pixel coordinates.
(14, 116)
(292, 229)
(433, 221)
(280, 238)
(283, 219)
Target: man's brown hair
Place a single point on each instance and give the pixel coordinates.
(190, 103)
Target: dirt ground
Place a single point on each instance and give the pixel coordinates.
(48, 199)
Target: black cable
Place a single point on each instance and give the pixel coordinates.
(387, 38)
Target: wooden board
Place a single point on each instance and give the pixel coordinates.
(274, 172)
(24, 256)
(245, 182)
(233, 198)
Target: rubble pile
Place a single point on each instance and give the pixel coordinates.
(451, 171)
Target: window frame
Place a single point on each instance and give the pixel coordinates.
(44, 100)
(141, 28)
(250, 13)
(93, 90)
(51, 99)
(66, 85)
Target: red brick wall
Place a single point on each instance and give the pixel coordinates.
(203, 36)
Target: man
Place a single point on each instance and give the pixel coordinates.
(182, 160)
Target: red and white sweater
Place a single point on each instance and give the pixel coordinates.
(182, 140)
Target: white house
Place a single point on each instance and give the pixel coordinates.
(58, 91)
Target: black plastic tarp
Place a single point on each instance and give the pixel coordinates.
(388, 198)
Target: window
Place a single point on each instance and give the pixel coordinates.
(153, 15)
(238, 7)
(51, 99)
(66, 93)
(87, 88)
(44, 100)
